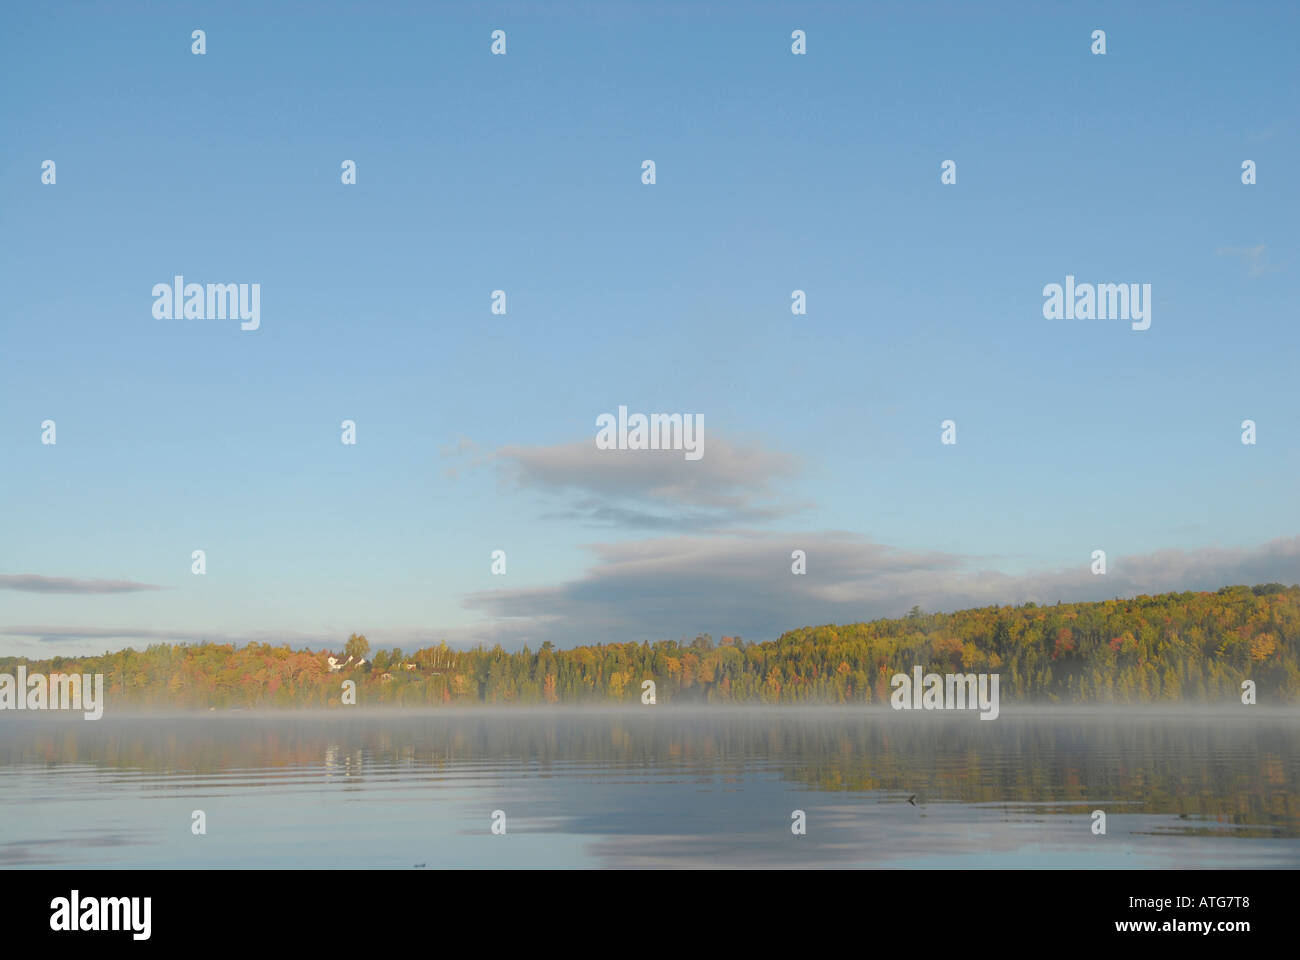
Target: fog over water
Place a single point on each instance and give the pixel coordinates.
(653, 787)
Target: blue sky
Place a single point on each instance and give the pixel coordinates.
(522, 172)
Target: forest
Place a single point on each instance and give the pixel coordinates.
(1196, 646)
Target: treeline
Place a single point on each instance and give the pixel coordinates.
(1175, 646)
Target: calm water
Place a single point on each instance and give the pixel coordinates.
(653, 787)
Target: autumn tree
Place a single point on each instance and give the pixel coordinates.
(357, 647)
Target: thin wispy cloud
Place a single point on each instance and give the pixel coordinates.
(1255, 258)
(40, 640)
(34, 583)
(46, 633)
(465, 454)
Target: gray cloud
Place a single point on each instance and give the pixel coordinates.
(656, 489)
(740, 583)
(34, 583)
(675, 587)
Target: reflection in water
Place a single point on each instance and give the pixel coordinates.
(653, 787)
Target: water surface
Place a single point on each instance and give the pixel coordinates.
(653, 787)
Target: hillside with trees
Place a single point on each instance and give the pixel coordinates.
(1171, 647)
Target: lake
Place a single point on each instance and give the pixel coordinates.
(653, 787)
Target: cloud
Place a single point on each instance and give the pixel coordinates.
(33, 583)
(41, 641)
(741, 584)
(1268, 133)
(656, 489)
(466, 452)
(45, 633)
(1255, 258)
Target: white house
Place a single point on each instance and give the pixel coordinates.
(335, 665)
